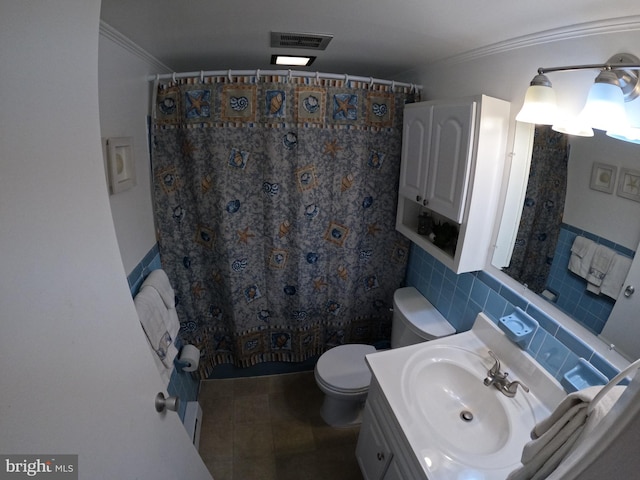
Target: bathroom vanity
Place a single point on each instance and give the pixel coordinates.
(429, 414)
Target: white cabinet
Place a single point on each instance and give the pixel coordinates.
(383, 452)
(436, 148)
(453, 154)
(416, 127)
(372, 451)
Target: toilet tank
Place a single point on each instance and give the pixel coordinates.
(415, 319)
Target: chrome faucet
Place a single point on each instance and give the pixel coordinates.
(499, 379)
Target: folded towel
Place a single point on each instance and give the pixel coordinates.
(600, 265)
(582, 252)
(554, 437)
(154, 318)
(614, 279)
(159, 280)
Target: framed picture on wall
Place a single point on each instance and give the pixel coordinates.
(629, 184)
(603, 177)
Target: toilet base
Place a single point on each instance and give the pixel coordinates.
(337, 412)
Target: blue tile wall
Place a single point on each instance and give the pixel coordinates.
(461, 297)
(181, 383)
(590, 310)
(151, 261)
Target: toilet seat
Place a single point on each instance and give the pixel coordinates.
(343, 369)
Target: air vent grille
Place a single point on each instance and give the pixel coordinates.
(309, 41)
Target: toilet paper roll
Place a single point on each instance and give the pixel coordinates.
(190, 358)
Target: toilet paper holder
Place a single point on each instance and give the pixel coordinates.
(188, 359)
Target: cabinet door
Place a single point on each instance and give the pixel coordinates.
(450, 150)
(394, 472)
(415, 150)
(372, 451)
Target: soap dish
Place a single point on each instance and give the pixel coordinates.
(519, 327)
(581, 376)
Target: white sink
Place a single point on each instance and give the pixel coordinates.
(442, 386)
(455, 425)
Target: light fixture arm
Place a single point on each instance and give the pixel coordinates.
(623, 65)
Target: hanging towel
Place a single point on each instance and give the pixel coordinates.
(600, 265)
(582, 252)
(156, 321)
(614, 279)
(553, 437)
(159, 280)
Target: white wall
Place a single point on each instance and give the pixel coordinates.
(72, 352)
(603, 214)
(124, 94)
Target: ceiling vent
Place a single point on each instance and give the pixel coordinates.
(310, 41)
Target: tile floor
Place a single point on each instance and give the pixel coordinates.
(269, 427)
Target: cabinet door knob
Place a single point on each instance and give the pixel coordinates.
(418, 198)
(380, 456)
(629, 291)
(425, 202)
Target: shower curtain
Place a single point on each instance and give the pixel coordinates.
(275, 201)
(542, 211)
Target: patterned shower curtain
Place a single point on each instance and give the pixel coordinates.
(275, 201)
(542, 211)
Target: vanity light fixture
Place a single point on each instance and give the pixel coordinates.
(618, 82)
(539, 102)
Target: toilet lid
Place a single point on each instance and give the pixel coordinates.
(344, 368)
(422, 317)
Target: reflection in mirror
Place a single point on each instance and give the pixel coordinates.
(575, 190)
(541, 216)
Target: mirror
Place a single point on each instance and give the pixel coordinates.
(577, 186)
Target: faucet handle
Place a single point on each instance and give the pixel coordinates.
(512, 388)
(496, 366)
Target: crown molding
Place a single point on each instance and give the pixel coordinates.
(603, 27)
(107, 31)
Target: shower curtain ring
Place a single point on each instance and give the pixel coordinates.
(173, 77)
(393, 85)
(229, 76)
(201, 76)
(290, 75)
(346, 80)
(370, 82)
(257, 75)
(317, 77)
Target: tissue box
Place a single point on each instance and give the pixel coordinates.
(519, 327)
(581, 376)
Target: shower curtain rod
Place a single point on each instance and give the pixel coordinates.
(285, 73)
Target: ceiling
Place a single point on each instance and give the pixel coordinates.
(380, 38)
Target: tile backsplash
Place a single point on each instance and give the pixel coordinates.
(461, 297)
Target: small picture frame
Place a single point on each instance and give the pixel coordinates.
(629, 184)
(121, 167)
(603, 177)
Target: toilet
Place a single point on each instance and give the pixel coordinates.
(342, 373)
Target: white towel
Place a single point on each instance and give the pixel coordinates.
(614, 279)
(582, 252)
(155, 319)
(553, 437)
(600, 265)
(159, 280)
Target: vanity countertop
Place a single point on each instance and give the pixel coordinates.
(446, 453)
